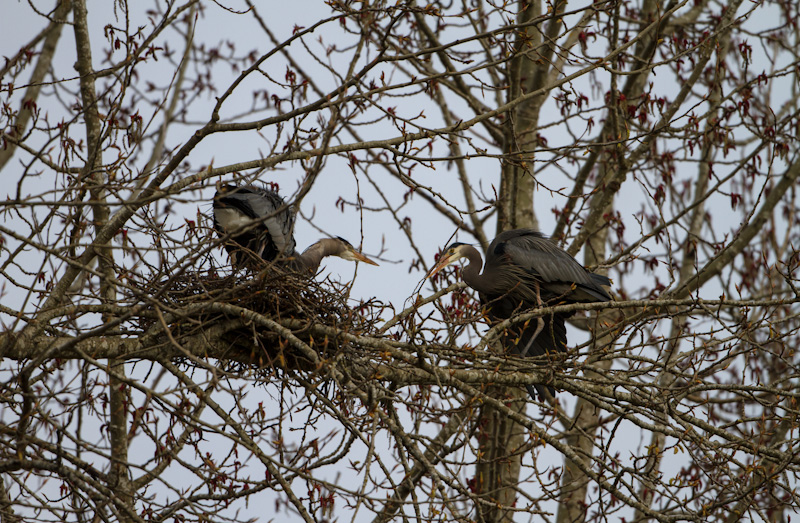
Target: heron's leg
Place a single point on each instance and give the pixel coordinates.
(539, 325)
(539, 320)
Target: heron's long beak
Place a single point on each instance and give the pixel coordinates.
(443, 262)
(360, 257)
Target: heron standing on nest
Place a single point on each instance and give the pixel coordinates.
(260, 226)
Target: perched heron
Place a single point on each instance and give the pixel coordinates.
(525, 270)
(260, 225)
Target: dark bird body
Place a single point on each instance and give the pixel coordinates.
(525, 270)
(261, 225)
(235, 211)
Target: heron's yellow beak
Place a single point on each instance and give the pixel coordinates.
(446, 259)
(360, 257)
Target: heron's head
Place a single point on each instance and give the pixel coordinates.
(346, 251)
(451, 254)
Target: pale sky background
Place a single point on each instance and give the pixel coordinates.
(391, 282)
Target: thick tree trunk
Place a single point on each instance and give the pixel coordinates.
(519, 132)
(497, 475)
(96, 181)
(499, 464)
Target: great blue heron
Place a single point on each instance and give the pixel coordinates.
(260, 224)
(525, 270)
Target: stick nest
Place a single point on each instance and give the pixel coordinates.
(208, 299)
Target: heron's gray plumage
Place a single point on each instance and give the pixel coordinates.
(545, 262)
(261, 224)
(258, 220)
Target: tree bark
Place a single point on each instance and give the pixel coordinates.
(499, 463)
(94, 177)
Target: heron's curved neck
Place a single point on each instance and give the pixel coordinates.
(471, 273)
(312, 256)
